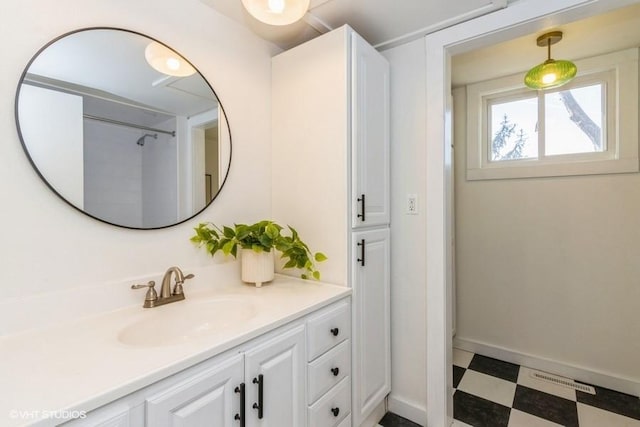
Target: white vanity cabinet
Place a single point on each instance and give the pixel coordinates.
(330, 144)
(275, 381)
(266, 377)
(372, 349)
(329, 366)
(210, 397)
(369, 136)
(297, 375)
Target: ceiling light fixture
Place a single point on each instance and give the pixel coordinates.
(550, 73)
(166, 61)
(277, 12)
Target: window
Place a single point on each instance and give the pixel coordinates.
(588, 126)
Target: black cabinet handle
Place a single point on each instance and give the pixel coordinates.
(335, 371)
(335, 332)
(260, 405)
(362, 207)
(362, 244)
(240, 416)
(335, 411)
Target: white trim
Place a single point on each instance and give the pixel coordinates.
(551, 366)
(407, 409)
(520, 18)
(415, 35)
(617, 72)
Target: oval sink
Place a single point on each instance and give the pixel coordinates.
(178, 323)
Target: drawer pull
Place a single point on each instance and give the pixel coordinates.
(335, 332)
(240, 416)
(361, 215)
(335, 371)
(259, 406)
(335, 411)
(362, 244)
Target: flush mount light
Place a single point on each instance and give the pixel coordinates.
(551, 73)
(168, 62)
(277, 12)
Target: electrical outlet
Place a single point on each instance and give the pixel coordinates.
(412, 204)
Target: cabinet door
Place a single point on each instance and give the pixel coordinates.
(209, 398)
(280, 365)
(369, 135)
(371, 369)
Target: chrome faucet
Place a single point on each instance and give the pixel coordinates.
(167, 295)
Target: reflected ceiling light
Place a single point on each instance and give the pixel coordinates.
(166, 61)
(550, 73)
(277, 12)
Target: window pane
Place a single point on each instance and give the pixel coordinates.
(573, 121)
(514, 130)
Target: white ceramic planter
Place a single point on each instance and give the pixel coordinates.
(257, 267)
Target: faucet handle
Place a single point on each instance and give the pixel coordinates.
(151, 295)
(177, 289)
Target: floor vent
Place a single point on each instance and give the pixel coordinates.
(563, 382)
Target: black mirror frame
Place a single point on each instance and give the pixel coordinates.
(35, 168)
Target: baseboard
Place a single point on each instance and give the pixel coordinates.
(407, 409)
(578, 373)
(375, 416)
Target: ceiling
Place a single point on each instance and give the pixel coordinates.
(383, 23)
(597, 35)
(86, 62)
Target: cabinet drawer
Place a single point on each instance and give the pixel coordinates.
(346, 422)
(333, 407)
(328, 369)
(328, 328)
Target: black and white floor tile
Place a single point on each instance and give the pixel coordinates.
(393, 420)
(493, 393)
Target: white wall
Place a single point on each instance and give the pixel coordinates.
(160, 177)
(55, 138)
(548, 267)
(47, 246)
(113, 173)
(408, 236)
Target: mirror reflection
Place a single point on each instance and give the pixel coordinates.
(123, 128)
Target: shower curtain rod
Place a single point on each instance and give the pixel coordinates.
(130, 125)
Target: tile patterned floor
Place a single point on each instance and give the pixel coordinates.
(493, 393)
(393, 420)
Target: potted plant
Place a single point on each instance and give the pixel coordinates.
(256, 243)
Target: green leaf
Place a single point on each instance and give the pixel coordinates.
(290, 264)
(242, 231)
(319, 256)
(272, 231)
(228, 232)
(266, 241)
(304, 276)
(316, 275)
(228, 247)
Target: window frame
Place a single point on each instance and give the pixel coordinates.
(617, 72)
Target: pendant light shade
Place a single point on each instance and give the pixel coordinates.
(551, 73)
(277, 12)
(166, 61)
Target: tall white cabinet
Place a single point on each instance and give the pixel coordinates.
(330, 136)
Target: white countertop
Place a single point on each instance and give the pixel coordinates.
(81, 364)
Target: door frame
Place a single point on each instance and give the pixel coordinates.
(519, 19)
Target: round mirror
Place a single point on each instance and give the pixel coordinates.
(123, 128)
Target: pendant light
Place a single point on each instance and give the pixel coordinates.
(166, 61)
(277, 12)
(551, 73)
